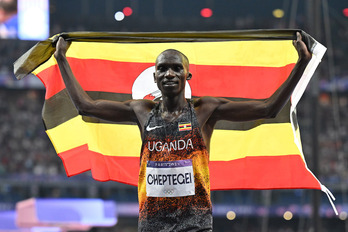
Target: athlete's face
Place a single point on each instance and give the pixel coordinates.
(172, 71)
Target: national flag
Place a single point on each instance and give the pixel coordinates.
(184, 127)
(238, 65)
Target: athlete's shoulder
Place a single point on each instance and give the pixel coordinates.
(142, 109)
(205, 101)
(142, 103)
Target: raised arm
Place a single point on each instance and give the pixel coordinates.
(224, 109)
(104, 109)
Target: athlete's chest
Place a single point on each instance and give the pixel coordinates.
(165, 125)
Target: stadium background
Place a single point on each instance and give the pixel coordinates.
(29, 166)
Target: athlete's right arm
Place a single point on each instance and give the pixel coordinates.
(104, 109)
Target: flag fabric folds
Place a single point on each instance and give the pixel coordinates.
(238, 65)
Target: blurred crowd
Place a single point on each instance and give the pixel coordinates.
(332, 134)
(25, 148)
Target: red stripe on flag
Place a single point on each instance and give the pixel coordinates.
(95, 75)
(238, 81)
(76, 160)
(266, 172)
(104, 168)
(218, 81)
(263, 172)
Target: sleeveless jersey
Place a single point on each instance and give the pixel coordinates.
(174, 187)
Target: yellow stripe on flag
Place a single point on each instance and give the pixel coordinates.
(236, 53)
(124, 140)
(107, 139)
(265, 140)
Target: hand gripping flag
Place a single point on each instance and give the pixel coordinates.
(238, 65)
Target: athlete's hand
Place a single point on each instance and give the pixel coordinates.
(61, 47)
(301, 47)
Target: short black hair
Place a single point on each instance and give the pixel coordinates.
(176, 51)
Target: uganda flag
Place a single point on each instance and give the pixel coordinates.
(238, 65)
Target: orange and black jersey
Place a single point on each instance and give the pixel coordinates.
(174, 187)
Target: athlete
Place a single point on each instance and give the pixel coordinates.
(174, 188)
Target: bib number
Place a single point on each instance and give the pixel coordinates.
(170, 178)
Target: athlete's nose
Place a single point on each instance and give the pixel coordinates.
(170, 73)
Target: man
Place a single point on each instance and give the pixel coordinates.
(173, 188)
(8, 19)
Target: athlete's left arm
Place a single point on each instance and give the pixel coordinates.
(251, 110)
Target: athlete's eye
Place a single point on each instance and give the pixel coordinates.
(178, 68)
(160, 68)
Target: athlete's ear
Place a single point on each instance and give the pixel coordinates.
(189, 76)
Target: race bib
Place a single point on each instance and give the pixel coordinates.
(170, 178)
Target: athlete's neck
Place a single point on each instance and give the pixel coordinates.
(172, 107)
(173, 104)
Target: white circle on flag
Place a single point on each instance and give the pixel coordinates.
(144, 87)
